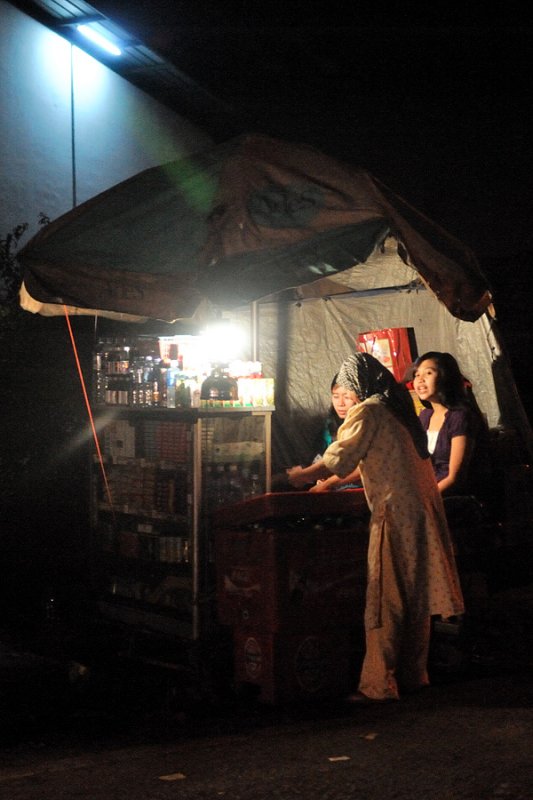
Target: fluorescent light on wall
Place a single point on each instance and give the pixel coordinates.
(99, 40)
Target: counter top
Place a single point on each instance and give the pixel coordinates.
(347, 502)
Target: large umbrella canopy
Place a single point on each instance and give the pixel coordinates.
(246, 220)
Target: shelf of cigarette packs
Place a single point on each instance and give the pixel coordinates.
(143, 513)
(148, 466)
(143, 520)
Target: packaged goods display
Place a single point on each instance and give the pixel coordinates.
(165, 465)
(147, 373)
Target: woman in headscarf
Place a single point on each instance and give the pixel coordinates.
(412, 574)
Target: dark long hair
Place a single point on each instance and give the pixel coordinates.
(451, 384)
(333, 421)
(455, 391)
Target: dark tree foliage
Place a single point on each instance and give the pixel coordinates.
(10, 271)
(10, 277)
(44, 445)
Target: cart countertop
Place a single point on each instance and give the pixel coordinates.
(347, 502)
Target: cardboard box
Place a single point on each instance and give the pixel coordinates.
(293, 667)
(291, 579)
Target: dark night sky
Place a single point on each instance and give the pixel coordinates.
(436, 105)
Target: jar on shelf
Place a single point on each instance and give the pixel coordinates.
(219, 385)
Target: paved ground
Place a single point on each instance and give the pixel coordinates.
(124, 733)
(464, 740)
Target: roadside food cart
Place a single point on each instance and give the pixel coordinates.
(315, 259)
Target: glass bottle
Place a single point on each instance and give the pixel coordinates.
(99, 358)
(137, 393)
(148, 378)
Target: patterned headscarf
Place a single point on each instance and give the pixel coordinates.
(367, 377)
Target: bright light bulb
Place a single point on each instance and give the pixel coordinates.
(100, 40)
(223, 342)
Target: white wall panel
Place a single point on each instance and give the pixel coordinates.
(35, 138)
(117, 126)
(55, 153)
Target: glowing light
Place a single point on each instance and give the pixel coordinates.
(99, 40)
(223, 342)
(90, 81)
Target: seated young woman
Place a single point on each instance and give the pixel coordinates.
(451, 419)
(342, 400)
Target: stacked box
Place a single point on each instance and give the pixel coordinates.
(295, 666)
(148, 478)
(119, 439)
(128, 544)
(293, 590)
(294, 580)
(166, 441)
(125, 485)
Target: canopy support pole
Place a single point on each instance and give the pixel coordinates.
(255, 332)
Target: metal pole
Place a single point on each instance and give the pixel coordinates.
(255, 323)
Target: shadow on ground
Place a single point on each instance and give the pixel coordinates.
(64, 682)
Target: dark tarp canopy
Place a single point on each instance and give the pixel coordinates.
(245, 220)
(256, 219)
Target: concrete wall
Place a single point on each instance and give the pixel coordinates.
(71, 127)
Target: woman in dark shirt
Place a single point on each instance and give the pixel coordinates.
(341, 402)
(450, 418)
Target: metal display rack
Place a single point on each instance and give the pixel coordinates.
(156, 485)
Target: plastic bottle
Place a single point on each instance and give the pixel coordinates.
(235, 489)
(255, 485)
(164, 366)
(156, 382)
(220, 489)
(245, 481)
(183, 395)
(186, 552)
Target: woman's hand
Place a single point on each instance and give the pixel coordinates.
(297, 477)
(303, 476)
(321, 486)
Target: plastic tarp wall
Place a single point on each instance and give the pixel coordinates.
(303, 343)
